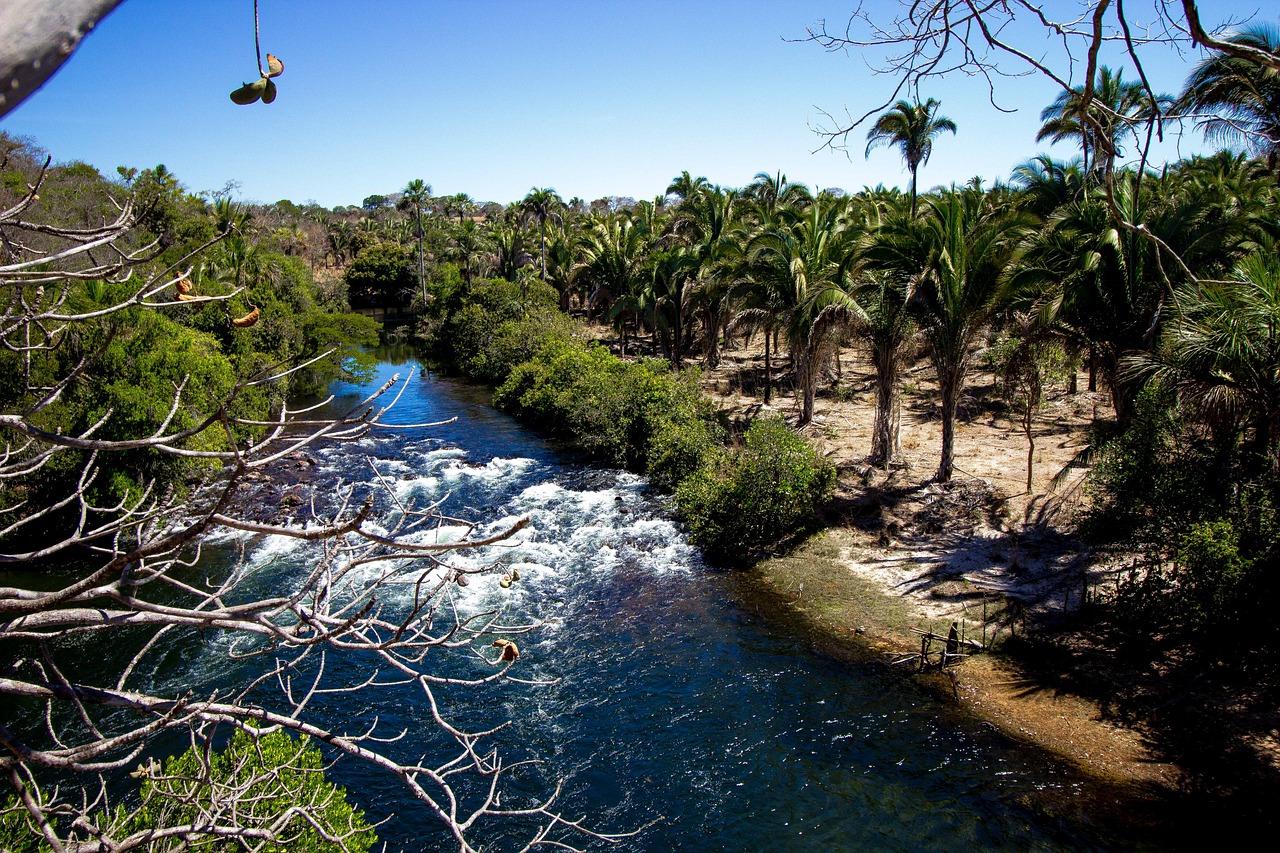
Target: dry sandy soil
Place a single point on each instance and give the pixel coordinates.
(981, 548)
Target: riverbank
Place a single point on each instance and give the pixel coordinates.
(903, 555)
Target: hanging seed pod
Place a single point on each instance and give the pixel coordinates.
(274, 66)
(269, 94)
(515, 574)
(510, 651)
(249, 92)
(247, 320)
(461, 579)
(505, 583)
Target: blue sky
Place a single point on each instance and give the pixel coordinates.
(493, 98)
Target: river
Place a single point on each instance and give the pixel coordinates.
(674, 698)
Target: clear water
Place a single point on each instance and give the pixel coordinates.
(674, 699)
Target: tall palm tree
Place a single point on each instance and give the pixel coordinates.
(803, 264)
(705, 223)
(1114, 108)
(541, 204)
(912, 128)
(1243, 95)
(417, 194)
(614, 257)
(882, 320)
(954, 255)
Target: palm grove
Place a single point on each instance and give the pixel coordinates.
(1160, 284)
(1163, 284)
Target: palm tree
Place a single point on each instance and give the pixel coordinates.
(1114, 106)
(540, 205)
(704, 223)
(1221, 352)
(614, 257)
(803, 264)
(881, 319)
(685, 186)
(1106, 286)
(416, 196)
(468, 245)
(912, 128)
(954, 255)
(1244, 96)
(509, 252)
(1046, 184)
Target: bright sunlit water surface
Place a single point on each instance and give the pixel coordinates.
(673, 699)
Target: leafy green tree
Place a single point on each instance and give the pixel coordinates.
(380, 276)
(743, 502)
(265, 781)
(912, 128)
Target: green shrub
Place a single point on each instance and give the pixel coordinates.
(744, 501)
(269, 775)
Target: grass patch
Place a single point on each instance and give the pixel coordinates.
(817, 581)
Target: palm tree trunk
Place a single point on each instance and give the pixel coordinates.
(768, 368)
(422, 266)
(913, 193)
(678, 343)
(884, 433)
(542, 239)
(949, 385)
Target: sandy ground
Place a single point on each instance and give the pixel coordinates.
(979, 548)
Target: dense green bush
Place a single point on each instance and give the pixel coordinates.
(633, 414)
(381, 275)
(1198, 521)
(272, 773)
(743, 501)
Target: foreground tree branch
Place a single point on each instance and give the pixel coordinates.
(125, 568)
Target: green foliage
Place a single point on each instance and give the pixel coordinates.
(744, 501)
(635, 414)
(381, 275)
(261, 778)
(1203, 524)
(1153, 480)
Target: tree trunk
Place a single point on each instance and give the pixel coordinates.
(950, 387)
(804, 366)
(422, 266)
(768, 369)
(884, 433)
(677, 343)
(1031, 445)
(542, 239)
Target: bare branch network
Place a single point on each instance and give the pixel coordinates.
(144, 586)
(995, 39)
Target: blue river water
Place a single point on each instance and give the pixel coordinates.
(673, 699)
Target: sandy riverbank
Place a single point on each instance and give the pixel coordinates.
(903, 555)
